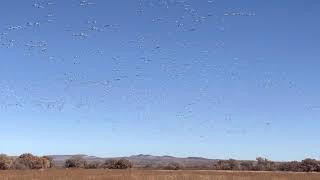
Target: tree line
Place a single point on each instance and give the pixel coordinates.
(25, 161)
(263, 164)
(29, 161)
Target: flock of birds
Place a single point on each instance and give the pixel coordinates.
(76, 85)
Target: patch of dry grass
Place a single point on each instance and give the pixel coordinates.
(82, 174)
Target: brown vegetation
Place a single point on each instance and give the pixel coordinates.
(49, 161)
(173, 166)
(5, 162)
(93, 165)
(29, 161)
(230, 164)
(263, 164)
(101, 174)
(75, 162)
(117, 164)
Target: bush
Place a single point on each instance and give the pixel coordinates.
(19, 165)
(247, 166)
(48, 161)
(173, 166)
(109, 164)
(264, 164)
(117, 164)
(93, 165)
(124, 164)
(230, 164)
(75, 162)
(293, 166)
(5, 162)
(310, 165)
(29, 161)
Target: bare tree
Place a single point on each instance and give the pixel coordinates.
(75, 162)
(173, 166)
(247, 166)
(48, 161)
(29, 161)
(118, 164)
(93, 165)
(230, 164)
(263, 164)
(5, 162)
(310, 165)
(293, 166)
(109, 164)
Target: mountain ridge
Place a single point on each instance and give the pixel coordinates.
(143, 160)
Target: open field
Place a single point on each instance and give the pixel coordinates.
(81, 174)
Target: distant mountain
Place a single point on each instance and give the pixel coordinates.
(156, 161)
(142, 160)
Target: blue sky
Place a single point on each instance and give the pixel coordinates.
(218, 79)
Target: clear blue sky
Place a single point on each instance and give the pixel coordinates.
(218, 78)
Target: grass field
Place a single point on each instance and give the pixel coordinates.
(79, 174)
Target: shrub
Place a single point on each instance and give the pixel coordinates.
(173, 166)
(264, 164)
(109, 164)
(293, 166)
(29, 161)
(45, 163)
(310, 165)
(117, 164)
(48, 161)
(5, 162)
(247, 166)
(93, 165)
(19, 165)
(234, 164)
(230, 164)
(124, 164)
(75, 162)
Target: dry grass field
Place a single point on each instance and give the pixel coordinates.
(80, 174)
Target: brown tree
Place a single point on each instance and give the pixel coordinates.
(310, 165)
(230, 164)
(75, 162)
(29, 161)
(263, 164)
(5, 162)
(118, 164)
(109, 164)
(93, 165)
(173, 166)
(293, 166)
(48, 161)
(247, 166)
